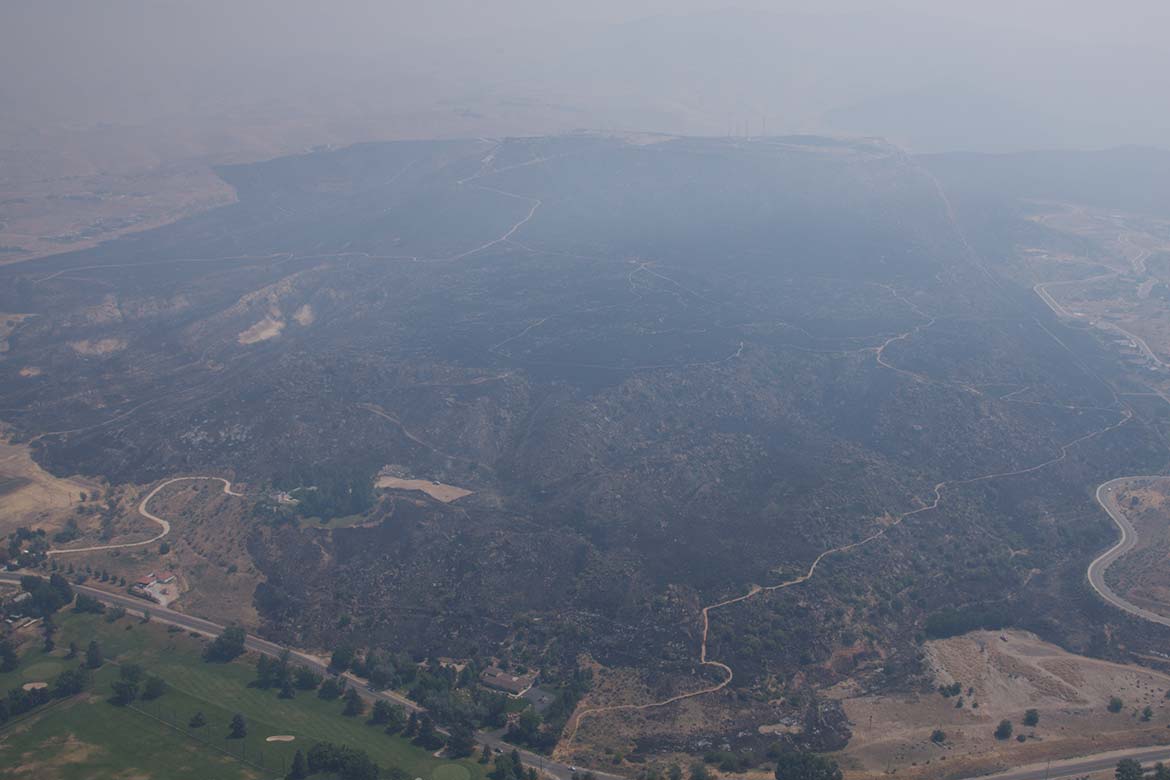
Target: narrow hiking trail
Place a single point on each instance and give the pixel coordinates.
(142, 510)
(575, 722)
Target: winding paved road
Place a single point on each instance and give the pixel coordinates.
(1107, 498)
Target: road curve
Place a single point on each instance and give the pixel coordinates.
(160, 614)
(142, 510)
(1107, 498)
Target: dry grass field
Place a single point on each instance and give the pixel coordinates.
(1003, 674)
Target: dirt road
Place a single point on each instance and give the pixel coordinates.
(142, 510)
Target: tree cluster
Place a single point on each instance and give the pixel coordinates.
(345, 762)
(227, 646)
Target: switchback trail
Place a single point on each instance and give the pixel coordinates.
(575, 722)
(142, 510)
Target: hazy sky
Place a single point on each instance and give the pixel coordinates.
(991, 74)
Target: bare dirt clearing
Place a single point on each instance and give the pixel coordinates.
(267, 328)
(1001, 675)
(305, 316)
(98, 346)
(436, 490)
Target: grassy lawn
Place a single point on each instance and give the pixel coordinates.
(87, 737)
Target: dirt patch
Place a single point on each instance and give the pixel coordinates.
(1004, 674)
(53, 754)
(436, 490)
(97, 347)
(267, 328)
(305, 316)
(30, 371)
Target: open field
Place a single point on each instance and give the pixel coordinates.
(436, 490)
(31, 496)
(1002, 674)
(122, 742)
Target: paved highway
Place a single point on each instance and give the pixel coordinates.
(1082, 766)
(1107, 498)
(170, 617)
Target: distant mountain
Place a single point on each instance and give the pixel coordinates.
(949, 117)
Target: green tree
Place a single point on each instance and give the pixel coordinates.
(342, 659)
(1031, 717)
(354, 705)
(198, 720)
(264, 671)
(430, 739)
(462, 741)
(384, 712)
(89, 604)
(1147, 713)
(938, 736)
(153, 687)
(70, 682)
(9, 660)
(125, 691)
(1003, 730)
(1129, 769)
(794, 765)
(1115, 704)
(93, 655)
(699, 771)
(674, 772)
(238, 728)
(299, 769)
(227, 646)
(330, 689)
(306, 679)
(486, 755)
(1161, 771)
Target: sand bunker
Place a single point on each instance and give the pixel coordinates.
(281, 738)
(34, 686)
(436, 490)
